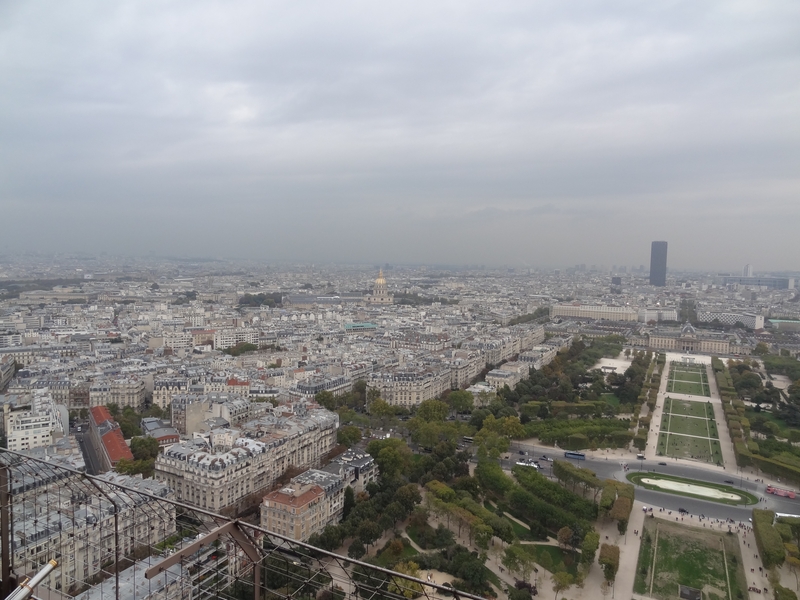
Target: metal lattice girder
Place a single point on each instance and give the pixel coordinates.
(117, 538)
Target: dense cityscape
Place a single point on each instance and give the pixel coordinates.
(399, 301)
(366, 410)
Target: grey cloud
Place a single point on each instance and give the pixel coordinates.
(362, 131)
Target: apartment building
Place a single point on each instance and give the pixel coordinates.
(510, 374)
(31, 420)
(280, 440)
(7, 369)
(189, 411)
(122, 391)
(80, 530)
(227, 338)
(296, 511)
(311, 386)
(164, 388)
(411, 386)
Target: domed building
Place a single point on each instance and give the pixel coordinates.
(688, 339)
(380, 292)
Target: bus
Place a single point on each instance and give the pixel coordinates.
(468, 439)
(575, 455)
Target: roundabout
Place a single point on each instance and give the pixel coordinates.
(714, 492)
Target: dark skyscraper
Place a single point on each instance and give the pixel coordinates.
(658, 264)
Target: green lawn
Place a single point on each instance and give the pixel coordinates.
(688, 387)
(688, 426)
(688, 408)
(557, 556)
(684, 375)
(688, 380)
(610, 399)
(682, 446)
(743, 497)
(641, 581)
(690, 557)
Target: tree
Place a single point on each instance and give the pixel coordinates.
(562, 581)
(517, 560)
(432, 410)
(794, 567)
(591, 542)
(392, 455)
(326, 399)
(609, 560)
(461, 401)
(368, 532)
(356, 549)
(349, 435)
(349, 501)
(144, 448)
(405, 587)
(761, 349)
(482, 534)
(408, 496)
(565, 537)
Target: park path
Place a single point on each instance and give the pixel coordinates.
(728, 455)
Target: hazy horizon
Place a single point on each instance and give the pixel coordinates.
(504, 134)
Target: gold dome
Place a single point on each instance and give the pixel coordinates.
(380, 280)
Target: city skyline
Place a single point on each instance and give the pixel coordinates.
(522, 135)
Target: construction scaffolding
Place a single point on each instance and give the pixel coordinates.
(125, 538)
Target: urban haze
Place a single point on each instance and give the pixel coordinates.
(527, 134)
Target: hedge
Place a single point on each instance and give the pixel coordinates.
(768, 540)
(777, 468)
(782, 593)
(743, 456)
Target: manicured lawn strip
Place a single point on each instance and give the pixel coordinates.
(686, 407)
(641, 580)
(746, 497)
(689, 426)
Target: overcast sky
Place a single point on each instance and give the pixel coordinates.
(528, 133)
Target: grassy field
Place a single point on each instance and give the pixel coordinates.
(557, 556)
(688, 380)
(688, 430)
(689, 408)
(744, 498)
(687, 425)
(610, 399)
(687, 556)
(681, 446)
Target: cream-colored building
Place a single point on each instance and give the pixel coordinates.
(687, 339)
(217, 480)
(31, 420)
(165, 388)
(123, 391)
(592, 311)
(296, 512)
(409, 387)
(380, 292)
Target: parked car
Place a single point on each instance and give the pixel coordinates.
(662, 464)
(728, 481)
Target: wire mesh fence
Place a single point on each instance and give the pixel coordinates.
(118, 537)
